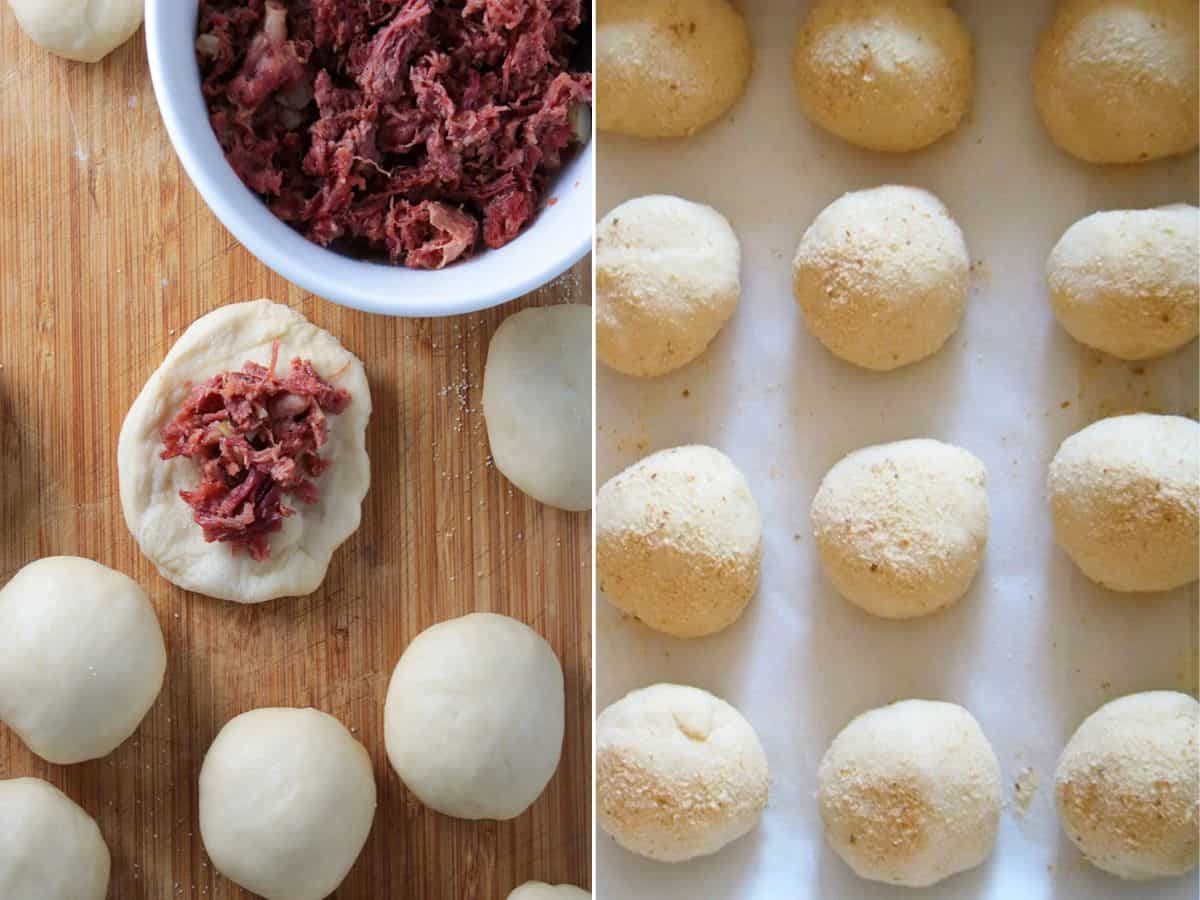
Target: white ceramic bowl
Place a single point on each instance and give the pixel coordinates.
(556, 239)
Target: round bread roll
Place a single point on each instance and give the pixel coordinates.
(667, 281)
(1124, 494)
(1128, 282)
(910, 793)
(901, 528)
(82, 658)
(1127, 788)
(885, 75)
(1116, 81)
(679, 773)
(882, 276)
(286, 801)
(679, 541)
(83, 30)
(51, 849)
(539, 890)
(474, 716)
(537, 401)
(667, 68)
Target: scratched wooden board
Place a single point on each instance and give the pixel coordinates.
(106, 254)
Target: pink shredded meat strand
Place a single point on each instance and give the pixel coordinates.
(256, 437)
(417, 129)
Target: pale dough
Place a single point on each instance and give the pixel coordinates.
(162, 523)
(667, 68)
(287, 797)
(539, 890)
(537, 401)
(668, 278)
(1128, 786)
(679, 773)
(50, 849)
(909, 794)
(82, 658)
(83, 30)
(474, 716)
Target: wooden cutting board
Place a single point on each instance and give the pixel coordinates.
(106, 254)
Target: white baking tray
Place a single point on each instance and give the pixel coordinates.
(1034, 647)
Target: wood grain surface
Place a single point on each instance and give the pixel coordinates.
(106, 254)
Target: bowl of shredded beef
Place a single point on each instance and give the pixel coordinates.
(407, 157)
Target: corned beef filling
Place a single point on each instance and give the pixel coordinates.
(402, 127)
(256, 436)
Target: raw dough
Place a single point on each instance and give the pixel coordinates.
(83, 30)
(888, 75)
(51, 849)
(679, 541)
(1127, 785)
(162, 523)
(474, 716)
(882, 276)
(679, 773)
(901, 528)
(910, 793)
(1125, 497)
(82, 658)
(1128, 282)
(539, 890)
(286, 801)
(1116, 81)
(667, 281)
(666, 68)
(537, 400)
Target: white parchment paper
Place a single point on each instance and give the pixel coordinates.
(1034, 647)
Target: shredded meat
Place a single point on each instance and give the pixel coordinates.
(256, 437)
(411, 128)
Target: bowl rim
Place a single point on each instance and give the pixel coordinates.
(303, 268)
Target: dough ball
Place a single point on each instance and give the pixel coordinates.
(1128, 282)
(679, 541)
(1124, 494)
(885, 75)
(679, 773)
(539, 890)
(83, 30)
(1127, 788)
(1115, 81)
(667, 281)
(910, 793)
(474, 716)
(82, 658)
(537, 400)
(286, 801)
(163, 524)
(901, 528)
(881, 277)
(667, 68)
(51, 849)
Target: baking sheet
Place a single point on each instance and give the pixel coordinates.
(1034, 647)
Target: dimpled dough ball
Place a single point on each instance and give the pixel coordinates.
(901, 528)
(1128, 282)
(50, 849)
(667, 281)
(83, 30)
(910, 793)
(82, 658)
(679, 541)
(1124, 494)
(679, 773)
(881, 277)
(1126, 785)
(885, 75)
(666, 68)
(1116, 81)
(539, 890)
